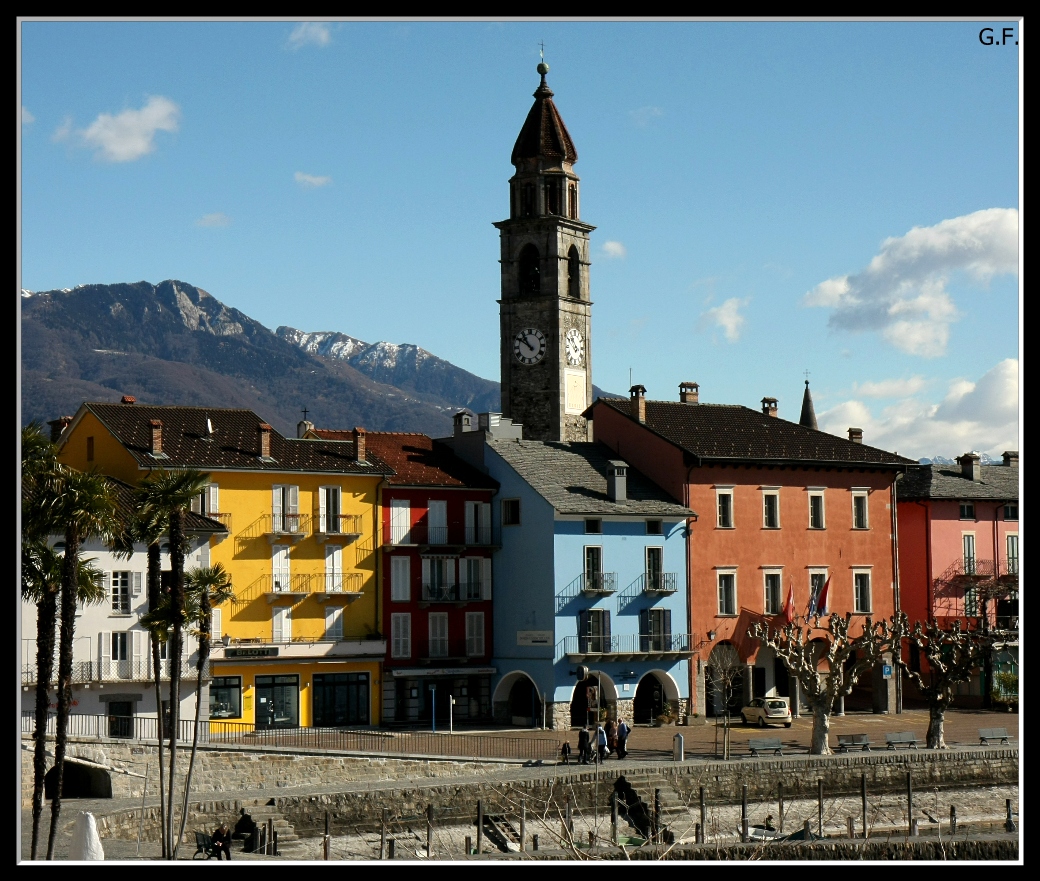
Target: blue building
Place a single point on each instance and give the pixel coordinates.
(590, 571)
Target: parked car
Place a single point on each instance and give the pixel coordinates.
(764, 711)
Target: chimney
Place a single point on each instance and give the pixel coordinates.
(970, 466)
(264, 432)
(1011, 458)
(617, 480)
(769, 406)
(359, 445)
(638, 402)
(62, 422)
(856, 435)
(303, 426)
(462, 422)
(688, 393)
(128, 399)
(156, 426)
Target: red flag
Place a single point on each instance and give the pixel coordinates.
(789, 606)
(821, 602)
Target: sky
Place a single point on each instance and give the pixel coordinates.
(769, 197)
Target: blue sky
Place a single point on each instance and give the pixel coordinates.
(770, 197)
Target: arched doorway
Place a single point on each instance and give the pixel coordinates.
(78, 781)
(724, 681)
(584, 701)
(650, 700)
(525, 706)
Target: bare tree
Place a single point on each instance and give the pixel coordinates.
(828, 666)
(952, 656)
(725, 673)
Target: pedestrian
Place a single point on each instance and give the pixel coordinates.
(565, 752)
(222, 841)
(601, 742)
(622, 738)
(611, 729)
(245, 829)
(583, 746)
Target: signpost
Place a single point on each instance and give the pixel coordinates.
(433, 705)
(886, 671)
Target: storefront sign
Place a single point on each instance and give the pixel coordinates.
(534, 637)
(267, 651)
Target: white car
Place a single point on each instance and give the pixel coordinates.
(764, 711)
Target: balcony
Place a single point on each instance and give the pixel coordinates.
(294, 588)
(441, 536)
(108, 670)
(449, 652)
(627, 647)
(452, 593)
(598, 583)
(658, 583)
(281, 528)
(342, 527)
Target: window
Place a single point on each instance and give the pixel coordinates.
(859, 509)
(1011, 511)
(530, 281)
(654, 527)
(400, 635)
(475, 578)
(573, 269)
(438, 578)
(593, 567)
(655, 630)
(971, 601)
(968, 545)
(329, 509)
(437, 522)
(207, 502)
(967, 510)
(773, 599)
(119, 591)
(724, 498)
(474, 634)
(510, 512)
(817, 581)
(400, 579)
(771, 508)
(333, 568)
(400, 522)
(281, 624)
(225, 697)
(573, 201)
(816, 509)
(1012, 553)
(727, 582)
(120, 650)
(593, 527)
(333, 622)
(478, 523)
(594, 631)
(655, 568)
(438, 635)
(285, 508)
(279, 568)
(861, 593)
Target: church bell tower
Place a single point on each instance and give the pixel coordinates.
(545, 310)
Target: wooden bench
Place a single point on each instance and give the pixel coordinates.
(988, 734)
(901, 738)
(765, 743)
(853, 741)
(204, 845)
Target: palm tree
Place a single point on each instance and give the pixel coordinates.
(205, 587)
(165, 497)
(85, 504)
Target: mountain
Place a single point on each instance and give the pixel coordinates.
(174, 343)
(984, 459)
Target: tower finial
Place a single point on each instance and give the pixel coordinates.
(543, 68)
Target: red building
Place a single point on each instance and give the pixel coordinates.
(435, 580)
(784, 509)
(958, 555)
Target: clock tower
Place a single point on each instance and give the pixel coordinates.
(545, 310)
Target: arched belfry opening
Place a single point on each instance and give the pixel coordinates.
(530, 271)
(574, 273)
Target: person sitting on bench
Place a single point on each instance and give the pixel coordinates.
(222, 841)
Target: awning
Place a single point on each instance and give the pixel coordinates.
(413, 672)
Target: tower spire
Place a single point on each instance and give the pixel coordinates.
(808, 417)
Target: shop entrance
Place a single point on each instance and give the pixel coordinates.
(278, 701)
(340, 699)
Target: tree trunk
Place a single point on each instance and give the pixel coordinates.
(176, 645)
(69, 583)
(936, 717)
(204, 613)
(821, 726)
(154, 598)
(46, 617)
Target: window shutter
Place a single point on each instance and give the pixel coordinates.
(322, 506)
(294, 500)
(644, 630)
(449, 572)
(107, 582)
(276, 502)
(204, 553)
(606, 630)
(471, 516)
(484, 523)
(400, 579)
(196, 504)
(425, 572)
(485, 585)
(400, 521)
(213, 492)
(137, 664)
(138, 582)
(333, 622)
(584, 630)
(216, 629)
(105, 648)
(667, 629)
(463, 575)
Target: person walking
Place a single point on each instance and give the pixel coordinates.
(222, 841)
(583, 746)
(622, 738)
(611, 729)
(601, 742)
(565, 752)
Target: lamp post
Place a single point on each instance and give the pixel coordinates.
(433, 706)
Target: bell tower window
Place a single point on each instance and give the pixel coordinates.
(527, 200)
(552, 197)
(572, 201)
(573, 273)
(530, 281)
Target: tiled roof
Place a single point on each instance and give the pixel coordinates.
(572, 477)
(233, 445)
(418, 460)
(999, 483)
(728, 432)
(543, 133)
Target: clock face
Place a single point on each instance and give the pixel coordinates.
(529, 346)
(575, 346)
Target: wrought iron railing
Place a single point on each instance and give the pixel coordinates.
(107, 670)
(627, 644)
(338, 524)
(452, 593)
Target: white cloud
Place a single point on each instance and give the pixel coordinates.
(981, 415)
(62, 132)
(902, 291)
(727, 316)
(128, 135)
(27, 117)
(308, 181)
(890, 388)
(218, 218)
(643, 116)
(613, 250)
(310, 33)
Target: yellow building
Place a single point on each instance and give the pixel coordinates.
(300, 644)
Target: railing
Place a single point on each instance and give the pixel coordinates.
(338, 524)
(422, 534)
(266, 640)
(328, 582)
(456, 647)
(627, 644)
(659, 582)
(478, 535)
(82, 671)
(452, 593)
(403, 743)
(136, 670)
(286, 524)
(598, 582)
(222, 518)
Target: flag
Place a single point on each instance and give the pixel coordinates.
(789, 606)
(821, 600)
